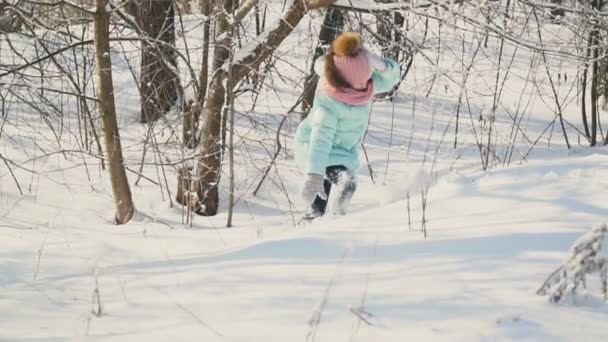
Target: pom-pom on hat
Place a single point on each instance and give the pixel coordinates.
(347, 44)
(350, 60)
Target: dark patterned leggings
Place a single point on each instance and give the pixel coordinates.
(337, 175)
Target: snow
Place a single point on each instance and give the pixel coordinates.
(493, 236)
(372, 5)
(586, 260)
(488, 249)
(246, 51)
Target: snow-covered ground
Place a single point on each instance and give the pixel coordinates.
(492, 239)
(492, 236)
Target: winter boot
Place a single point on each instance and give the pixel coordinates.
(310, 215)
(344, 186)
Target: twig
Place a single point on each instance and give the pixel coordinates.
(142, 176)
(369, 166)
(556, 97)
(39, 258)
(279, 146)
(96, 309)
(12, 174)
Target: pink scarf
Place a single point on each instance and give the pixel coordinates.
(353, 97)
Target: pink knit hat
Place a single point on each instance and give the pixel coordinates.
(355, 70)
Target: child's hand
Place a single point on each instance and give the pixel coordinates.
(375, 61)
(313, 186)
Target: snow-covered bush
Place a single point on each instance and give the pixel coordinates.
(588, 255)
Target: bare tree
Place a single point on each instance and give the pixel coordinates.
(105, 93)
(208, 165)
(241, 63)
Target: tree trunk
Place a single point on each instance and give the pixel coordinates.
(594, 96)
(557, 10)
(185, 6)
(584, 85)
(208, 170)
(332, 26)
(159, 81)
(105, 93)
(394, 46)
(594, 77)
(384, 31)
(192, 116)
(208, 166)
(398, 38)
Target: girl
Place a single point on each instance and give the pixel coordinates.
(327, 141)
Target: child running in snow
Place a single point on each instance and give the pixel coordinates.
(328, 140)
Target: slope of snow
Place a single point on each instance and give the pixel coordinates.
(492, 240)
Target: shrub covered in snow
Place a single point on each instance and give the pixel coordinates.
(588, 255)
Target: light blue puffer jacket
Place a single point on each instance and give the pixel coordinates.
(333, 131)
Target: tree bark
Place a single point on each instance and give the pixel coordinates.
(192, 116)
(584, 85)
(398, 38)
(594, 77)
(332, 26)
(208, 168)
(384, 31)
(159, 81)
(557, 10)
(105, 94)
(185, 6)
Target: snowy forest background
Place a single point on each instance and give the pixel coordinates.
(174, 119)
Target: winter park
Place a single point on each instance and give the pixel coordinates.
(315, 170)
